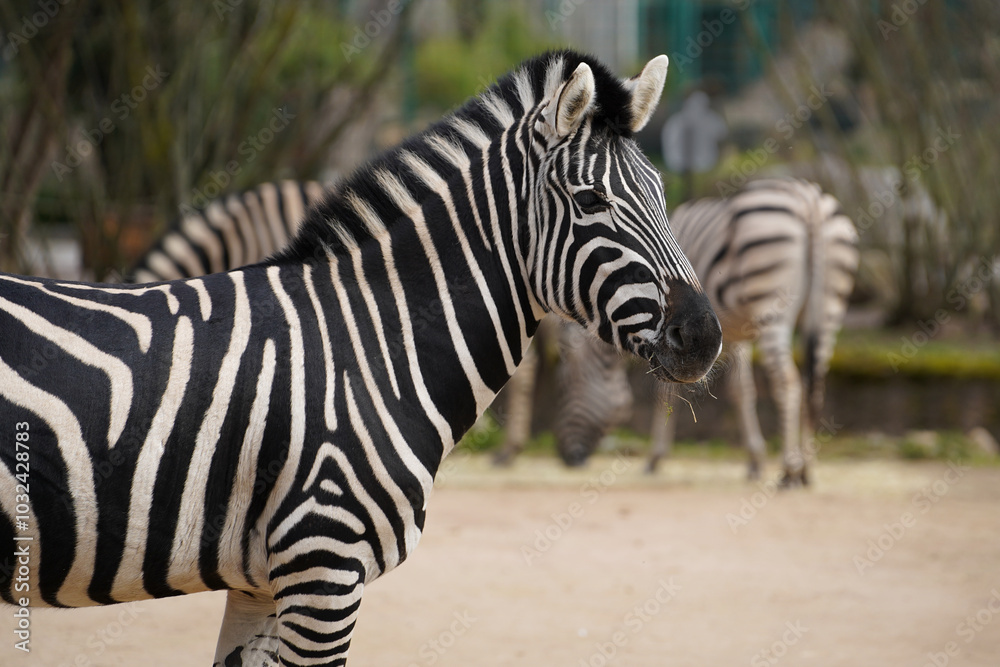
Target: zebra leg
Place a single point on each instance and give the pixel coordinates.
(744, 393)
(521, 388)
(663, 429)
(316, 619)
(249, 635)
(786, 387)
(807, 435)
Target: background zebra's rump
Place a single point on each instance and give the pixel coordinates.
(776, 254)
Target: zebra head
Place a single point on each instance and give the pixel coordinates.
(598, 248)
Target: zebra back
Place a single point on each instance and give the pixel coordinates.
(228, 232)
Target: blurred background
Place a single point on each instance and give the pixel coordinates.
(116, 114)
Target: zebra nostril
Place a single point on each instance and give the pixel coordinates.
(674, 338)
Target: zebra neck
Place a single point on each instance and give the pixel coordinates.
(434, 308)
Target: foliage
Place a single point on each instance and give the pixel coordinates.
(169, 104)
(451, 69)
(484, 435)
(543, 443)
(924, 77)
(912, 450)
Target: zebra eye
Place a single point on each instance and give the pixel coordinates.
(590, 201)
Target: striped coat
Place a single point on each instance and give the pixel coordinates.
(275, 430)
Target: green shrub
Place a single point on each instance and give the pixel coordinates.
(485, 435)
(451, 69)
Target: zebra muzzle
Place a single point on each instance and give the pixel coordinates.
(690, 341)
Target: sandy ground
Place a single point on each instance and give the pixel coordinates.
(641, 572)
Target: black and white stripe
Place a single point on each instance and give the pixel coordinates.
(229, 232)
(275, 430)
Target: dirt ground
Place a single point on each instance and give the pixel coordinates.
(880, 563)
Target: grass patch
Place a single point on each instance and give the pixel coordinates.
(485, 435)
(543, 444)
(881, 354)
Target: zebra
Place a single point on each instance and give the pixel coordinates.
(228, 232)
(292, 414)
(241, 228)
(247, 227)
(775, 253)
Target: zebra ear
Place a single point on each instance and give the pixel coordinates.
(573, 101)
(646, 88)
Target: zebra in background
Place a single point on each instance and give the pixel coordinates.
(229, 232)
(594, 395)
(274, 430)
(776, 253)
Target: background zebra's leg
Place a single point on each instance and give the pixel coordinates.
(786, 387)
(521, 388)
(744, 393)
(813, 390)
(249, 633)
(663, 428)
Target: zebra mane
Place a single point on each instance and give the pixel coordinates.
(345, 217)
